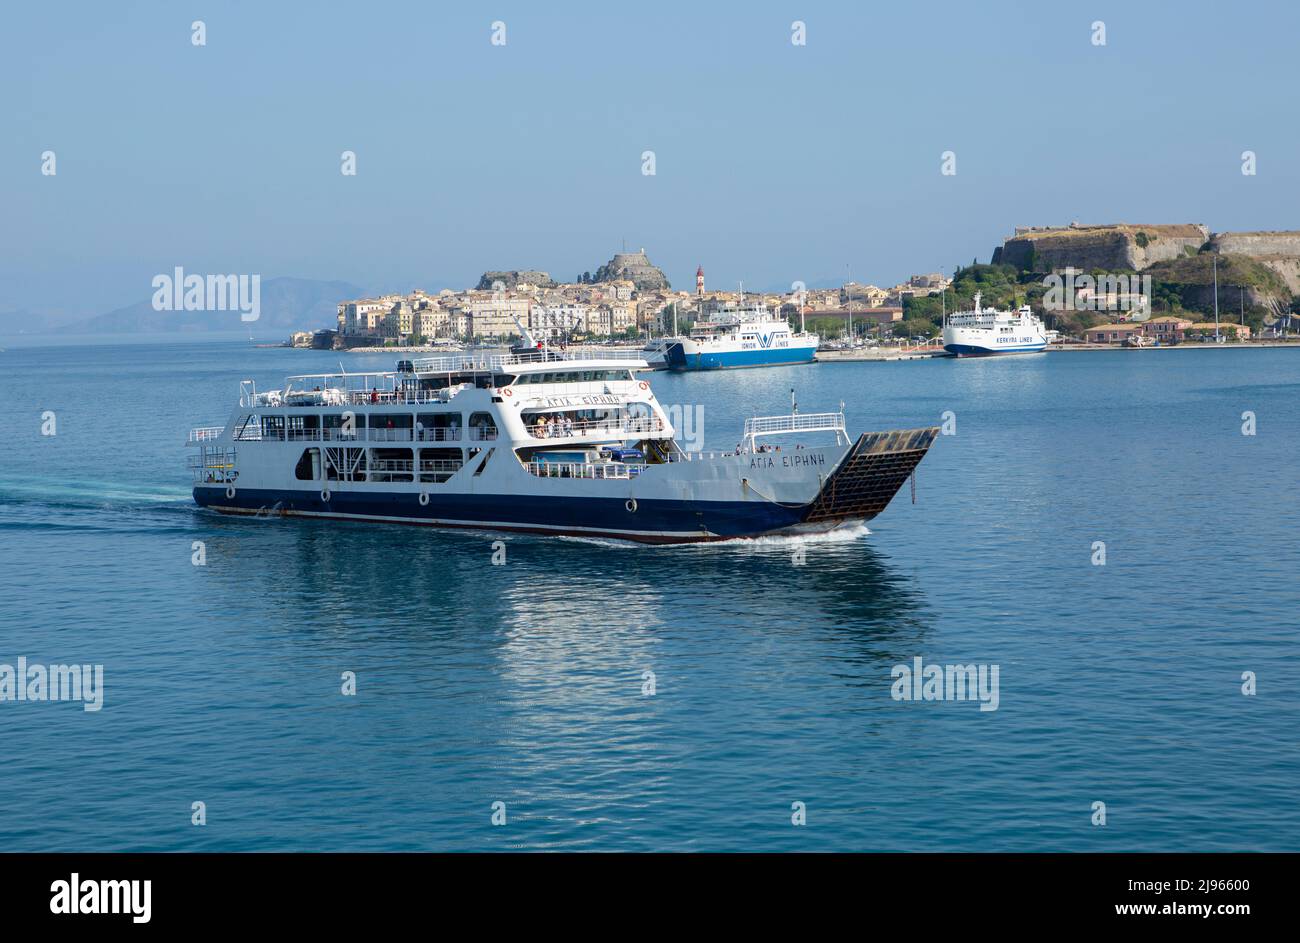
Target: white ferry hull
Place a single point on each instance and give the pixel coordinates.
(982, 350)
(703, 499)
(990, 333)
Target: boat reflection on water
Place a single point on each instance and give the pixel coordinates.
(413, 588)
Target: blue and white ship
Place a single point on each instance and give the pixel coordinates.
(982, 332)
(747, 336)
(544, 442)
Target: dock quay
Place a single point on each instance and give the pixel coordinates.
(881, 354)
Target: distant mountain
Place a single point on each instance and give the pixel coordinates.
(287, 305)
(25, 321)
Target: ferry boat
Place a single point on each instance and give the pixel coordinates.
(746, 336)
(986, 331)
(658, 352)
(551, 442)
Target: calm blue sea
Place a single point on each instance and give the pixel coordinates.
(522, 683)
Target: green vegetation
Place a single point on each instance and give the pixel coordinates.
(915, 327)
(1186, 286)
(826, 327)
(1000, 285)
(1181, 286)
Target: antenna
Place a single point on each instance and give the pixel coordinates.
(1216, 298)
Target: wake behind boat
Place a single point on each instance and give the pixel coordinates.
(547, 442)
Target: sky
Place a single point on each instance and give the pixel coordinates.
(774, 162)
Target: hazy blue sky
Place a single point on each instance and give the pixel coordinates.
(774, 162)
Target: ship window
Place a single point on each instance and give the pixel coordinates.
(272, 427)
(304, 427)
(482, 426)
(437, 427)
(308, 467)
(345, 426)
(437, 465)
(391, 427)
(390, 465)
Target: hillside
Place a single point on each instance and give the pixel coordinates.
(1188, 284)
(287, 304)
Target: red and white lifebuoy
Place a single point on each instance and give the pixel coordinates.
(508, 392)
(644, 385)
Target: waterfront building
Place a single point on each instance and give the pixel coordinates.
(1113, 333)
(1166, 328)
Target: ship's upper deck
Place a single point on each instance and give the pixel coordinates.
(439, 379)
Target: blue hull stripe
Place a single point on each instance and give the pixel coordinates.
(680, 360)
(972, 351)
(686, 520)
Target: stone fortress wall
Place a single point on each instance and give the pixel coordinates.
(635, 267)
(1280, 251)
(1110, 247)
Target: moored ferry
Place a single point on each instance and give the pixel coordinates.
(542, 441)
(746, 336)
(982, 332)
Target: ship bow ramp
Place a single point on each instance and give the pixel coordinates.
(870, 475)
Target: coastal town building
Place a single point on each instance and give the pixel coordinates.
(1167, 329)
(627, 296)
(1112, 333)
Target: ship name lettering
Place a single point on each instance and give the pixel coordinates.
(798, 461)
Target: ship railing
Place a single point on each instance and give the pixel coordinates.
(403, 397)
(204, 434)
(254, 432)
(389, 470)
(408, 465)
(605, 427)
(338, 397)
(588, 470)
(487, 363)
(759, 426)
(448, 434)
(213, 465)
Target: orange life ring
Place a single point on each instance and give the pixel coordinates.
(644, 385)
(508, 391)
